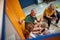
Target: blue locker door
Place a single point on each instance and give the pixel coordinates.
(25, 3)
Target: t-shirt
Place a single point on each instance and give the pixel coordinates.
(48, 12)
(30, 19)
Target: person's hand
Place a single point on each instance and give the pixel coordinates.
(55, 18)
(20, 21)
(38, 20)
(51, 18)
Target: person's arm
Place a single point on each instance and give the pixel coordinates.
(27, 20)
(39, 20)
(55, 12)
(21, 21)
(47, 14)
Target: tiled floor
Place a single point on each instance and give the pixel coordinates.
(40, 9)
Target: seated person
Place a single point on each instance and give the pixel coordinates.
(30, 19)
(28, 28)
(50, 14)
(31, 32)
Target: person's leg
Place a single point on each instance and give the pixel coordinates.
(57, 20)
(58, 17)
(49, 21)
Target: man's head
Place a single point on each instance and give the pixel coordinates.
(51, 7)
(29, 26)
(33, 13)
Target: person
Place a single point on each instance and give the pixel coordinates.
(28, 28)
(50, 14)
(31, 17)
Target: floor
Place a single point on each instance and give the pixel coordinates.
(40, 9)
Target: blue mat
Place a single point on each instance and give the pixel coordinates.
(45, 36)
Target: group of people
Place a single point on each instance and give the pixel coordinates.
(33, 26)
